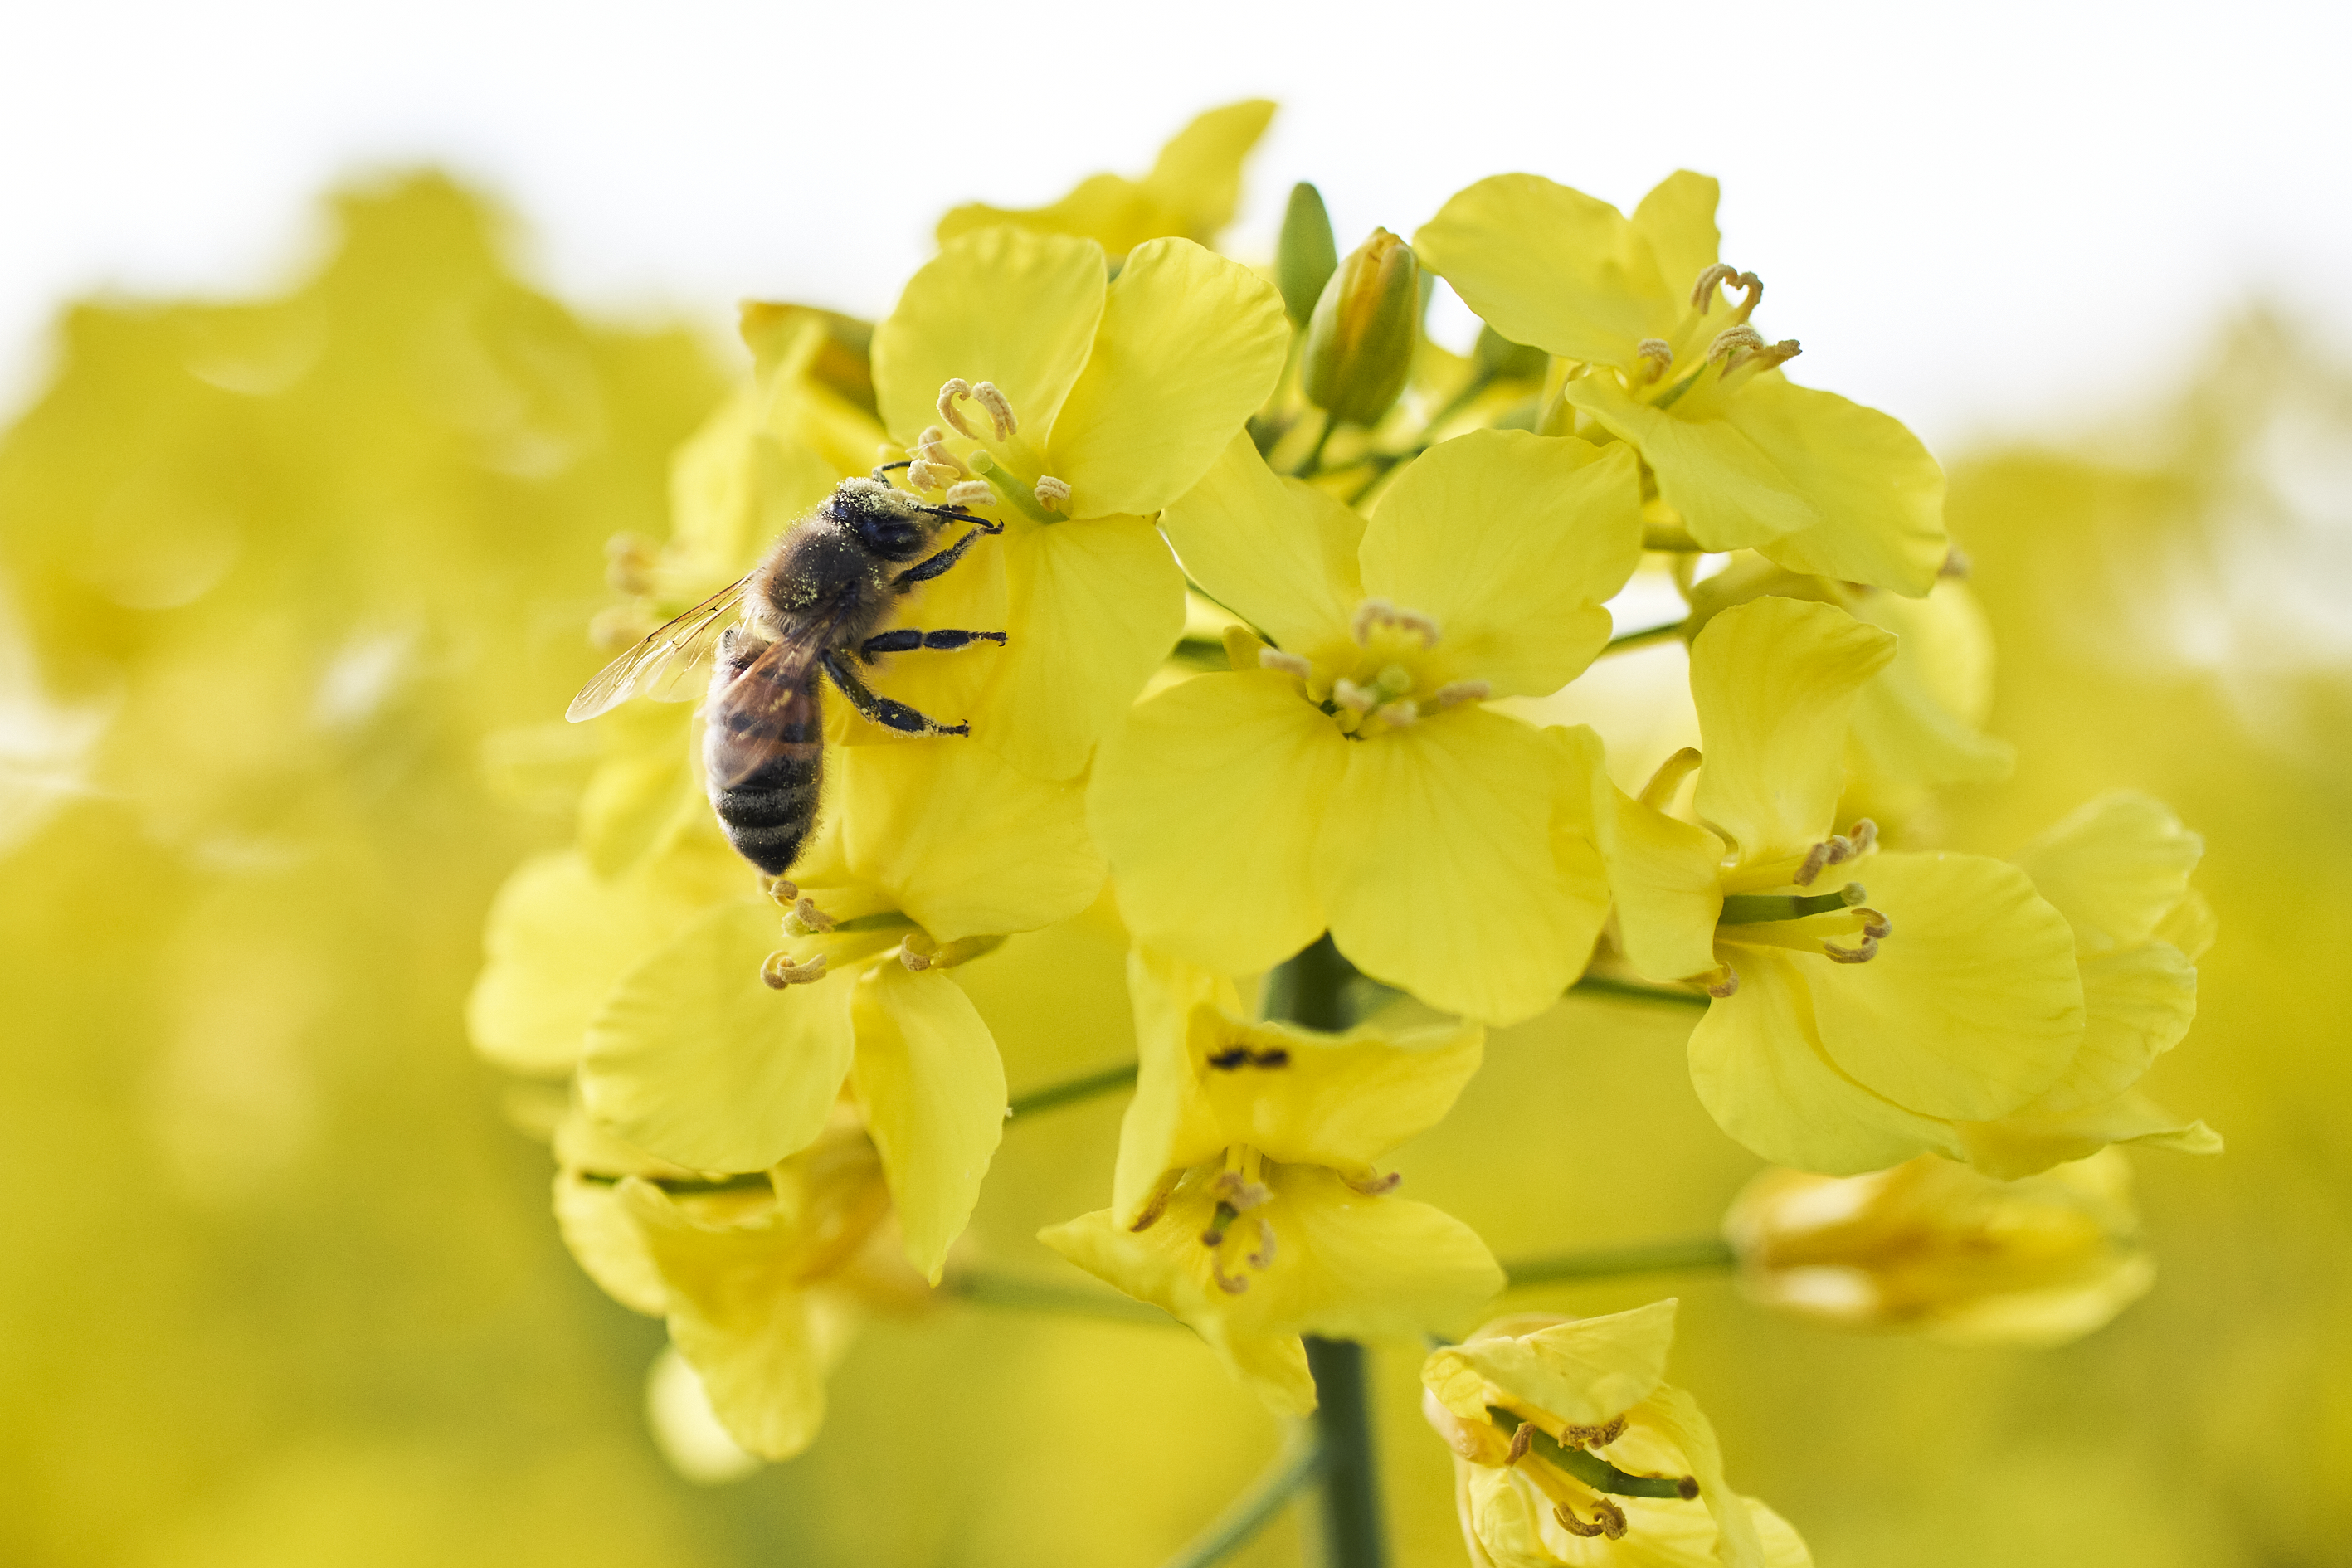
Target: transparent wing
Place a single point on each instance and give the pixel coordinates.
(664, 666)
(770, 711)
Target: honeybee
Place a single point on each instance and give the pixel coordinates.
(811, 606)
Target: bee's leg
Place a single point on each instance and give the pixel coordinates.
(924, 571)
(882, 710)
(907, 639)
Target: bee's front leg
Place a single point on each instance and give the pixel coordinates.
(924, 571)
(885, 712)
(907, 639)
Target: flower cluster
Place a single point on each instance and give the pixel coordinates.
(1287, 595)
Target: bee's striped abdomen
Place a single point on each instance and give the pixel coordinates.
(764, 751)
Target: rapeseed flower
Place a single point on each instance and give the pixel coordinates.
(1850, 1028)
(1935, 1248)
(1247, 1201)
(941, 850)
(1021, 378)
(1569, 1447)
(1347, 774)
(1740, 456)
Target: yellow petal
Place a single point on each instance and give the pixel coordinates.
(1679, 1419)
(1278, 553)
(1760, 1071)
(1207, 804)
(1199, 172)
(606, 1244)
(1004, 305)
(934, 1090)
(1730, 492)
(1774, 682)
(2137, 1004)
(1341, 1100)
(1096, 606)
(1972, 1007)
(1550, 266)
(556, 938)
(694, 1058)
(1664, 874)
(1915, 726)
(1111, 210)
(1511, 542)
(1677, 217)
(965, 845)
(740, 1318)
(1434, 862)
(1190, 345)
(1879, 494)
(2115, 868)
(2026, 1144)
(1586, 1373)
(643, 791)
(1169, 1123)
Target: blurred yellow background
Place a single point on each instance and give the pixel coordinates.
(293, 589)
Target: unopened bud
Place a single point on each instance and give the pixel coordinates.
(1307, 255)
(1360, 343)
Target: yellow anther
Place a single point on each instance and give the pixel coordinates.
(970, 493)
(1374, 615)
(954, 389)
(1262, 1257)
(1522, 1438)
(1598, 1437)
(781, 890)
(780, 971)
(1721, 276)
(1659, 353)
(1732, 340)
(1454, 693)
(1053, 494)
(1242, 1195)
(1375, 1186)
(1723, 983)
(1355, 699)
(1862, 952)
(1000, 411)
(807, 918)
(1397, 715)
(924, 476)
(1289, 663)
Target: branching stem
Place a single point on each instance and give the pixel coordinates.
(1255, 1509)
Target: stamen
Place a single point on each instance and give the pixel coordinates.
(1660, 354)
(1669, 778)
(1289, 663)
(781, 890)
(1454, 693)
(1835, 850)
(936, 453)
(780, 971)
(808, 918)
(1053, 494)
(1231, 1284)
(926, 476)
(1864, 835)
(1264, 1257)
(954, 388)
(1521, 1441)
(1728, 985)
(1374, 614)
(1721, 276)
(1874, 925)
(1155, 1205)
(1862, 952)
(1612, 1518)
(1574, 1525)
(1355, 699)
(1594, 1437)
(1956, 563)
(931, 437)
(917, 962)
(1397, 715)
(1375, 1186)
(1731, 339)
(1000, 411)
(1239, 1194)
(971, 493)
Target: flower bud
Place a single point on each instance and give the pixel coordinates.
(1307, 255)
(1360, 343)
(1935, 1247)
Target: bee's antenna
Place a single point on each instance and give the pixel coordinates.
(958, 514)
(887, 466)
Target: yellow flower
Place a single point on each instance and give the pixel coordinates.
(937, 851)
(762, 1280)
(1917, 723)
(1021, 379)
(1741, 456)
(1569, 1447)
(1354, 778)
(1246, 1202)
(1851, 1028)
(2118, 870)
(1936, 1247)
(1190, 193)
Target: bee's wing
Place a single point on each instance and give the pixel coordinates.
(665, 666)
(767, 712)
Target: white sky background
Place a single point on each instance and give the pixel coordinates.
(1975, 216)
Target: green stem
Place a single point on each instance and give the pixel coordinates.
(1353, 1535)
(1084, 1088)
(1255, 1509)
(1642, 638)
(1609, 1262)
(1314, 459)
(1038, 1296)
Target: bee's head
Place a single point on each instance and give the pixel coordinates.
(887, 521)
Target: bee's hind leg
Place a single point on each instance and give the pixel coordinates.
(907, 639)
(885, 712)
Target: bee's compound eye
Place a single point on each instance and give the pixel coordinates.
(893, 538)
